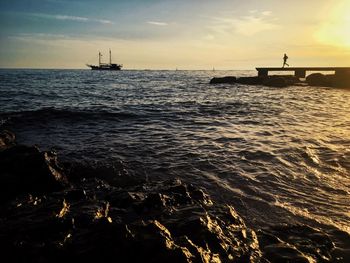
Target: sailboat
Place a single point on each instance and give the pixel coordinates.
(105, 66)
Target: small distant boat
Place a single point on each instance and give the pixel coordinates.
(105, 66)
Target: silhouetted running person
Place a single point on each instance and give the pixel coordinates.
(285, 57)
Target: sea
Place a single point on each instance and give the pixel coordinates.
(278, 155)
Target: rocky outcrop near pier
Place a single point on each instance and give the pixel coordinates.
(271, 81)
(341, 80)
(228, 80)
(45, 217)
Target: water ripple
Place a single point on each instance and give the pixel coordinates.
(278, 154)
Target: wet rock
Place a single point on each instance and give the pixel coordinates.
(165, 221)
(226, 80)
(154, 222)
(114, 174)
(339, 80)
(177, 224)
(342, 80)
(271, 81)
(25, 169)
(282, 81)
(283, 252)
(296, 243)
(321, 80)
(279, 82)
(251, 80)
(75, 194)
(7, 139)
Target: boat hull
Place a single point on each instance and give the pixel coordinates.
(106, 67)
(97, 68)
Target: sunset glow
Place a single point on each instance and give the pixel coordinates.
(174, 34)
(335, 30)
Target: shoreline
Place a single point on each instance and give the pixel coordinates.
(54, 214)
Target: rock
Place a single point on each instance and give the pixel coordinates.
(251, 80)
(25, 169)
(339, 80)
(177, 223)
(289, 79)
(113, 174)
(279, 82)
(166, 221)
(342, 80)
(318, 79)
(271, 81)
(7, 139)
(283, 252)
(163, 221)
(75, 194)
(223, 80)
(295, 243)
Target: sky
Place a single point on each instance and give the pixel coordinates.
(169, 34)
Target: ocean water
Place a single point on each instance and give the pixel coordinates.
(278, 155)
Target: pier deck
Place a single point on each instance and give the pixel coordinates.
(300, 72)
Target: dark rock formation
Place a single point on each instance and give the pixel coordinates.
(340, 80)
(318, 79)
(227, 80)
(161, 222)
(43, 220)
(279, 82)
(298, 243)
(7, 139)
(114, 174)
(271, 81)
(251, 80)
(25, 169)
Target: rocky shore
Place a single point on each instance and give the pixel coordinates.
(315, 79)
(51, 214)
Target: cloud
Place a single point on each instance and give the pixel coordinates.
(64, 17)
(103, 21)
(245, 25)
(30, 36)
(209, 37)
(72, 18)
(251, 25)
(266, 13)
(157, 23)
(40, 38)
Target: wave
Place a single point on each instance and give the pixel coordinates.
(49, 114)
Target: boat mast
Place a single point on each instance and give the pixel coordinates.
(110, 57)
(99, 59)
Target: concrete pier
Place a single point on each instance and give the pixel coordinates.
(300, 72)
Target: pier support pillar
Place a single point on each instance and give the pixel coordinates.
(263, 73)
(300, 73)
(342, 72)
